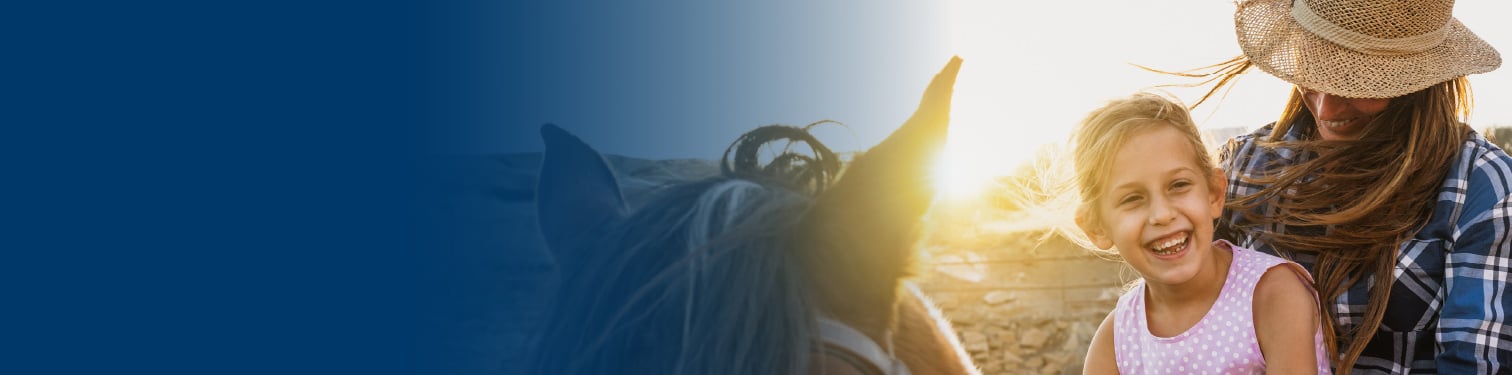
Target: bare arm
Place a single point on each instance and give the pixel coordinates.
(1100, 359)
(1286, 319)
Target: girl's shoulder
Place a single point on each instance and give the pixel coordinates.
(1284, 280)
(1262, 274)
(1251, 259)
(1271, 276)
(1287, 326)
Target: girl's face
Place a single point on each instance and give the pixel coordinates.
(1340, 118)
(1158, 207)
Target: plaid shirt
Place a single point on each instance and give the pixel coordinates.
(1451, 296)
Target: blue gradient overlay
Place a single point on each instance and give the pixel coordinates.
(681, 78)
(270, 187)
(652, 80)
(648, 80)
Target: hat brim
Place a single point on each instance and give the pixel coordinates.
(1276, 43)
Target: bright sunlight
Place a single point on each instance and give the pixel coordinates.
(1034, 68)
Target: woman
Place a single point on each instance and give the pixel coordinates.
(1372, 181)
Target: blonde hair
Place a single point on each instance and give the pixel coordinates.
(1103, 132)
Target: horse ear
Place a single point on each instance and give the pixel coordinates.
(879, 200)
(576, 192)
(887, 189)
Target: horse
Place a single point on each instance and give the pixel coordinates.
(776, 269)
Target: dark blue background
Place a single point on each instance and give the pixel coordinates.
(213, 187)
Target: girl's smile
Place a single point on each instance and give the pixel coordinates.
(1158, 209)
(1172, 247)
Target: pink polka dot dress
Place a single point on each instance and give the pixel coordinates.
(1223, 342)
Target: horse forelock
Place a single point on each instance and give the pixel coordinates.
(719, 207)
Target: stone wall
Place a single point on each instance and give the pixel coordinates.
(1023, 302)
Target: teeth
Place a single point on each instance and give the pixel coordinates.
(1335, 124)
(1169, 246)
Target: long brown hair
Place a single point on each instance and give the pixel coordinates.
(1371, 194)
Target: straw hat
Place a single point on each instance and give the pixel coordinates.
(1361, 48)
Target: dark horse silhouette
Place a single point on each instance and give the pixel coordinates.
(761, 270)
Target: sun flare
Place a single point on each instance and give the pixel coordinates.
(1031, 72)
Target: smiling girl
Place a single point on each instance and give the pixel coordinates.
(1149, 190)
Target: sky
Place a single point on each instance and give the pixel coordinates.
(681, 78)
(1034, 69)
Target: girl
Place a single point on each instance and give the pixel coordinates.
(1149, 190)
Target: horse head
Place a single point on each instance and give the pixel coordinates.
(741, 273)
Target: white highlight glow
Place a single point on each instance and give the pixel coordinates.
(1033, 69)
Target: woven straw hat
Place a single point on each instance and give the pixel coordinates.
(1361, 48)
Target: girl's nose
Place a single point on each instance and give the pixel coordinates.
(1161, 213)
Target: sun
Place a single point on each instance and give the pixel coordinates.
(994, 130)
(961, 176)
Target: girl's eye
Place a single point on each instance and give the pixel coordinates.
(1179, 185)
(1130, 199)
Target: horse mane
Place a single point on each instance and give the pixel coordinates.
(808, 173)
(701, 279)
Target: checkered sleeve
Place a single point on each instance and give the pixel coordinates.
(1474, 332)
(1238, 158)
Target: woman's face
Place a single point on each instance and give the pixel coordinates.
(1340, 118)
